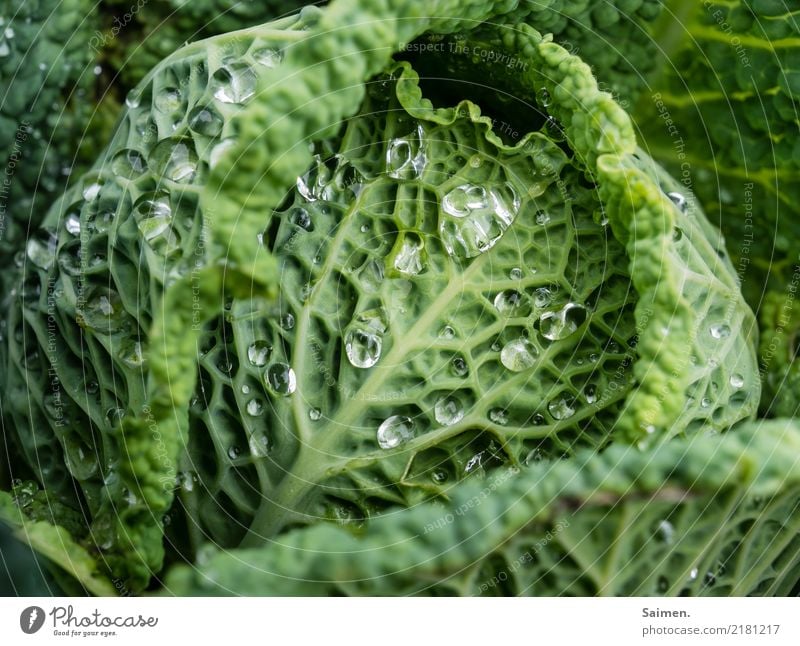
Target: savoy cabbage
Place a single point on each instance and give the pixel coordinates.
(324, 281)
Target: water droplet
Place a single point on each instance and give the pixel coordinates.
(153, 215)
(91, 190)
(447, 332)
(371, 276)
(287, 321)
(737, 381)
(168, 100)
(129, 164)
(519, 355)
(533, 456)
(515, 273)
(41, 249)
(693, 574)
(561, 408)
(408, 256)
(720, 331)
(405, 156)
(439, 476)
(542, 297)
(302, 218)
(205, 120)
(363, 339)
(543, 97)
(679, 200)
(233, 83)
(460, 368)
(666, 531)
(590, 393)
(281, 379)
(677, 234)
(448, 411)
(498, 416)
(133, 99)
(511, 303)
(255, 407)
(175, 159)
(258, 352)
(102, 311)
(562, 323)
(219, 151)
(475, 218)
(268, 57)
(394, 431)
(314, 414)
(234, 452)
(542, 217)
(132, 354)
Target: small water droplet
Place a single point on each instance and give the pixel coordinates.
(168, 100)
(233, 83)
(515, 273)
(679, 200)
(677, 234)
(363, 339)
(498, 416)
(314, 414)
(736, 380)
(287, 321)
(234, 452)
(542, 297)
(41, 249)
(562, 323)
(590, 393)
(460, 368)
(693, 574)
(394, 431)
(302, 218)
(519, 355)
(542, 217)
(533, 456)
(91, 190)
(255, 407)
(448, 411)
(405, 156)
(258, 352)
(205, 120)
(705, 402)
(281, 380)
(447, 332)
(720, 331)
(561, 408)
(511, 303)
(268, 57)
(129, 164)
(666, 531)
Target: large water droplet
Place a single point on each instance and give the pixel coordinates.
(129, 164)
(720, 331)
(405, 156)
(511, 303)
(561, 408)
(233, 83)
(560, 324)
(167, 100)
(394, 431)
(737, 381)
(175, 159)
(474, 218)
(408, 258)
(519, 355)
(153, 214)
(205, 120)
(363, 340)
(281, 379)
(258, 352)
(41, 249)
(102, 311)
(448, 411)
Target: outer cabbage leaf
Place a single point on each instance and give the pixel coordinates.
(710, 515)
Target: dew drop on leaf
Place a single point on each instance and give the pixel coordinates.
(448, 411)
(258, 352)
(280, 379)
(394, 431)
(518, 355)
